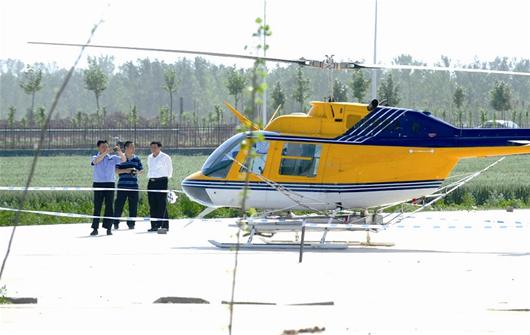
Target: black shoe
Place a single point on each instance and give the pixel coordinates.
(131, 227)
(152, 229)
(109, 232)
(115, 227)
(94, 232)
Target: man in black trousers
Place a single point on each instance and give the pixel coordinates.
(160, 169)
(104, 165)
(128, 172)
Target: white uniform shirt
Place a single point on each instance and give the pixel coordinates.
(159, 166)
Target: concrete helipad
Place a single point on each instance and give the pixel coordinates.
(453, 272)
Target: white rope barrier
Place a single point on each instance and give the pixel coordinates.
(79, 188)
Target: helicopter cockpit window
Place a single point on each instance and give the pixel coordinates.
(257, 164)
(300, 159)
(220, 161)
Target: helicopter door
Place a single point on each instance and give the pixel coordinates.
(258, 197)
(300, 170)
(257, 164)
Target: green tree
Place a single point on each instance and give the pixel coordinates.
(278, 96)
(458, 100)
(359, 85)
(501, 98)
(483, 116)
(164, 116)
(210, 118)
(95, 80)
(102, 117)
(514, 116)
(301, 89)
(41, 116)
(187, 117)
(458, 97)
(236, 82)
(78, 119)
(170, 85)
(195, 118)
(11, 117)
(132, 116)
(340, 91)
(388, 91)
(31, 83)
(218, 114)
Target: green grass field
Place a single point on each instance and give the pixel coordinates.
(76, 170)
(512, 171)
(508, 183)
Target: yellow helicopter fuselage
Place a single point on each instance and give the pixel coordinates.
(342, 155)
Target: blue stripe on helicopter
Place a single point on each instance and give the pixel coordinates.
(387, 126)
(324, 188)
(334, 185)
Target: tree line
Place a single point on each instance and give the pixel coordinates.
(152, 92)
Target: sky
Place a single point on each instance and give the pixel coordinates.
(461, 29)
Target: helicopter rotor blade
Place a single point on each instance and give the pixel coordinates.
(205, 53)
(429, 68)
(301, 61)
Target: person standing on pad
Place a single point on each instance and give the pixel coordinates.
(128, 172)
(160, 169)
(104, 165)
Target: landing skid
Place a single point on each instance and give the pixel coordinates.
(278, 246)
(346, 244)
(336, 221)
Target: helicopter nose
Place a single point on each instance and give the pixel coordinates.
(196, 191)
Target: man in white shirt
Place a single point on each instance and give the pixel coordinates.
(160, 169)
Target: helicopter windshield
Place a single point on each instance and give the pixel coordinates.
(220, 161)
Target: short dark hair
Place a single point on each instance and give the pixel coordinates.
(157, 143)
(100, 142)
(127, 143)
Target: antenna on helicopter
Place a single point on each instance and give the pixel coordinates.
(329, 65)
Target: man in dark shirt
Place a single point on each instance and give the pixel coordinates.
(128, 172)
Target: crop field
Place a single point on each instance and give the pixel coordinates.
(506, 184)
(76, 170)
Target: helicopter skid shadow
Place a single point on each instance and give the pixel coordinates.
(356, 250)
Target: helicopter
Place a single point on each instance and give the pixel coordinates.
(346, 155)
(338, 156)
